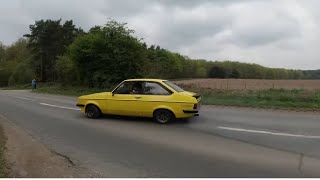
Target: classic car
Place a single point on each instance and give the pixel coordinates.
(159, 99)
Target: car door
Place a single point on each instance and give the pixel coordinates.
(125, 99)
(155, 95)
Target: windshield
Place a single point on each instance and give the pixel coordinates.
(173, 86)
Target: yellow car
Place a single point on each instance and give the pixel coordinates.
(157, 98)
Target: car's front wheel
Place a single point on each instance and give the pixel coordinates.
(163, 116)
(93, 111)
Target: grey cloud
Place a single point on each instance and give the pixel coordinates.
(194, 3)
(188, 32)
(181, 27)
(273, 24)
(211, 29)
(125, 8)
(281, 29)
(86, 14)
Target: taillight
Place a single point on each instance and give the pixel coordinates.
(196, 96)
(195, 106)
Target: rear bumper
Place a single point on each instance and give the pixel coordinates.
(191, 111)
(80, 105)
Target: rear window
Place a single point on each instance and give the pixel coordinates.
(173, 86)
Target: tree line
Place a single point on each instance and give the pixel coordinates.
(54, 51)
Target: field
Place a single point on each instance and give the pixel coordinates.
(297, 94)
(251, 84)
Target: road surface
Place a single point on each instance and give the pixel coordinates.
(222, 142)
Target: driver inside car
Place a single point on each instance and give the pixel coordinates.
(137, 89)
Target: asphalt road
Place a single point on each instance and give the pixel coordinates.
(222, 142)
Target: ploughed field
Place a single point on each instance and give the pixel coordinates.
(302, 94)
(250, 84)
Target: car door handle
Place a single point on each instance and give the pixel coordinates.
(137, 97)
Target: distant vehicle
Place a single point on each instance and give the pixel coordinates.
(157, 98)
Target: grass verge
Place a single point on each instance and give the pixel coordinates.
(3, 173)
(17, 87)
(61, 89)
(270, 98)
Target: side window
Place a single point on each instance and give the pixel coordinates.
(129, 88)
(124, 88)
(155, 89)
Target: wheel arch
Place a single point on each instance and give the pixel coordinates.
(89, 103)
(164, 108)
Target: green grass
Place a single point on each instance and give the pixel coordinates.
(69, 90)
(17, 87)
(3, 173)
(57, 88)
(270, 98)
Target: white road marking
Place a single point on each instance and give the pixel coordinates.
(63, 107)
(28, 99)
(268, 132)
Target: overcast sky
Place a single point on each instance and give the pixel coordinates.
(273, 33)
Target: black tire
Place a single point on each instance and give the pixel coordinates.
(93, 111)
(163, 116)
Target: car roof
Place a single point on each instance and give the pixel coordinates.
(153, 80)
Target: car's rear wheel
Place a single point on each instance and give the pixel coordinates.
(93, 111)
(163, 116)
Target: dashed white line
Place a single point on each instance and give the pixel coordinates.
(28, 99)
(268, 132)
(63, 107)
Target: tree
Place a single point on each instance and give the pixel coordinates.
(56, 51)
(14, 59)
(22, 74)
(47, 41)
(161, 63)
(234, 74)
(107, 55)
(217, 72)
(67, 71)
(2, 52)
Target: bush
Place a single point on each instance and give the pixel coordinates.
(12, 81)
(22, 74)
(107, 55)
(4, 77)
(66, 69)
